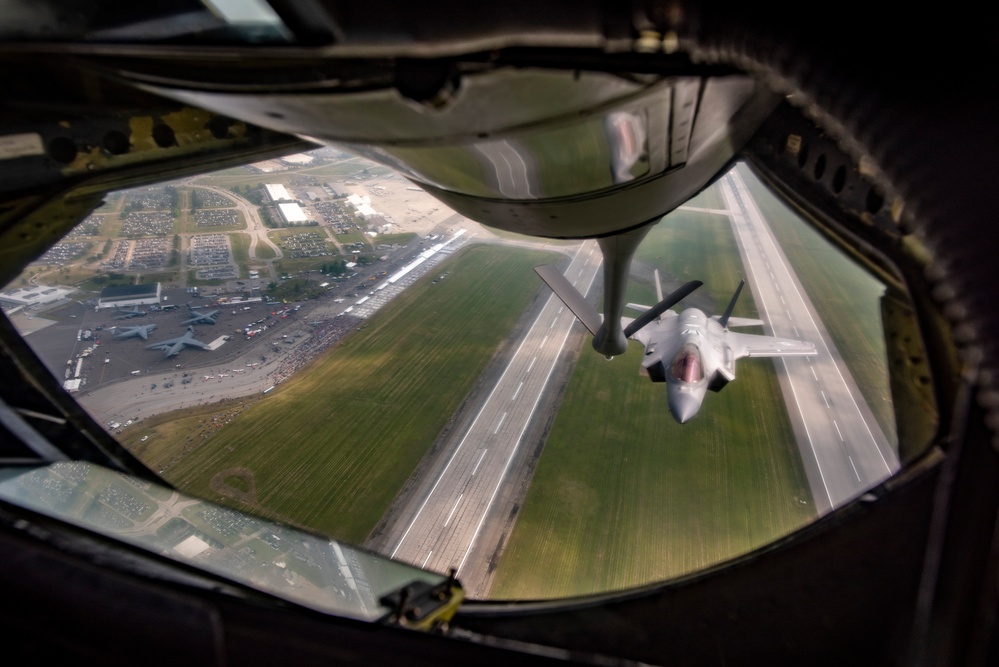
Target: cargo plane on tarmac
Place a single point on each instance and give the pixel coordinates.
(175, 345)
(200, 318)
(689, 351)
(124, 314)
(141, 331)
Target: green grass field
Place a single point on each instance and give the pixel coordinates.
(240, 250)
(331, 448)
(846, 297)
(402, 238)
(353, 237)
(161, 277)
(623, 495)
(264, 251)
(293, 265)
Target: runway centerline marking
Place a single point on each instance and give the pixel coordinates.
(838, 432)
(500, 423)
(425, 560)
(517, 391)
(531, 364)
(476, 468)
(453, 509)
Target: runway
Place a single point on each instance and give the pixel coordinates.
(842, 446)
(444, 524)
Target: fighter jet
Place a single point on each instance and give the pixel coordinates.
(689, 351)
(199, 318)
(141, 331)
(126, 314)
(174, 345)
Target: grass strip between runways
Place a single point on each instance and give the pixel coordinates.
(332, 447)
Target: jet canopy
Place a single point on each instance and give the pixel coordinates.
(686, 365)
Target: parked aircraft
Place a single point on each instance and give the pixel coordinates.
(200, 318)
(140, 331)
(689, 351)
(175, 345)
(124, 314)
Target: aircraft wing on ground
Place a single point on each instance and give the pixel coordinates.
(751, 345)
(175, 345)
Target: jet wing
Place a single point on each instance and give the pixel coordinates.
(659, 332)
(741, 321)
(164, 344)
(751, 345)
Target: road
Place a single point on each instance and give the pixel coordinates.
(443, 525)
(842, 446)
(254, 227)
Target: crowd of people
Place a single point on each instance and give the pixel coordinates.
(323, 335)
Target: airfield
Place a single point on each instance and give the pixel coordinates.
(519, 455)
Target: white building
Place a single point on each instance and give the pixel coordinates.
(362, 205)
(36, 295)
(124, 296)
(293, 214)
(278, 192)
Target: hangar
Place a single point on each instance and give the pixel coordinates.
(130, 295)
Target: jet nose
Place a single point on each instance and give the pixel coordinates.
(683, 406)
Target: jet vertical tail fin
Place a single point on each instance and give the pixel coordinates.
(570, 296)
(731, 305)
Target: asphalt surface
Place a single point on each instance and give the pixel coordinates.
(443, 525)
(842, 446)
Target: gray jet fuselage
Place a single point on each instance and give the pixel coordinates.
(693, 353)
(689, 351)
(685, 351)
